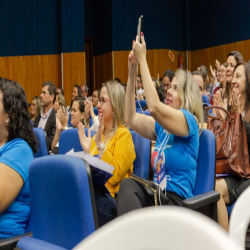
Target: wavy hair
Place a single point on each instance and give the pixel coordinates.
(117, 98)
(16, 106)
(189, 94)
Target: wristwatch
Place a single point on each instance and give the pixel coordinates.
(101, 146)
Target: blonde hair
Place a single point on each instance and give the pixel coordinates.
(37, 100)
(190, 95)
(117, 98)
(61, 100)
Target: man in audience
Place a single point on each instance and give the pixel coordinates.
(59, 90)
(47, 119)
(85, 90)
(167, 79)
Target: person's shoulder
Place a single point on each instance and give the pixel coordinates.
(123, 131)
(18, 143)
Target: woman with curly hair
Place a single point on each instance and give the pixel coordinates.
(17, 144)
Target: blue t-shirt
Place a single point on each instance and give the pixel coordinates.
(181, 154)
(18, 155)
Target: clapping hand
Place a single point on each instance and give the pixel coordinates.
(212, 72)
(219, 102)
(235, 103)
(62, 116)
(84, 140)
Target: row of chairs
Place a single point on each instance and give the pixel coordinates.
(56, 169)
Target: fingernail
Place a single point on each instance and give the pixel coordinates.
(141, 33)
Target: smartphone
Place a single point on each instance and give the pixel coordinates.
(140, 28)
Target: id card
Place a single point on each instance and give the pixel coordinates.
(160, 171)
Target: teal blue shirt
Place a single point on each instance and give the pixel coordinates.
(18, 155)
(180, 157)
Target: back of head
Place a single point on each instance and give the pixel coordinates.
(16, 106)
(117, 98)
(51, 89)
(189, 94)
(169, 73)
(237, 55)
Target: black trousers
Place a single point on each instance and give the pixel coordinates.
(132, 197)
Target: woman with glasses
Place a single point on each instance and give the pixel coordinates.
(35, 107)
(174, 126)
(112, 144)
(95, 97)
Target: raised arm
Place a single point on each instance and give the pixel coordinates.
(171, 119)
(142, 124)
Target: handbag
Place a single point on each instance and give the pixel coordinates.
(232, 155)
(151, 190)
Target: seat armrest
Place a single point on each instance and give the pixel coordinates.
(201, 200)
(10, 243)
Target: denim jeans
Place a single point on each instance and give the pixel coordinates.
(106, 207)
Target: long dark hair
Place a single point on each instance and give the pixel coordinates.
(79, 94)
(247, 75)
(16, 106)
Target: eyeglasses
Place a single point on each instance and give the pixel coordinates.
(102, 100)
(94, 96)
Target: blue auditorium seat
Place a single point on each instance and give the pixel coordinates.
(143, 155)
(96, 110)
(42, 146)
(143, 103)
(205, 199)
(69, 139)
(62, 201)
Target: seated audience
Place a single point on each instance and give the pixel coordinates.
(113, 144)
(35, 107)
(47, 118)
(117, 80)
(167, 79)
(199, 80)
(17, 144)
(95, 97)
(222, 83)
(174, 127)
(59, 102)
(139, 92)
(204, 73)
(77, 115)
(76, 91)
(59, 90)
(231, 187)
(84, 90)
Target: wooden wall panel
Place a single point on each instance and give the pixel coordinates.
(209, 55)
(32, 71)
(103, 69)
(158, 61)
(73, 72)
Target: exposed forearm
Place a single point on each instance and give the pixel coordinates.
(130, 100)
(56, 138)
(152, 97)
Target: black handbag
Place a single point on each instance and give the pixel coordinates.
(151, 190)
